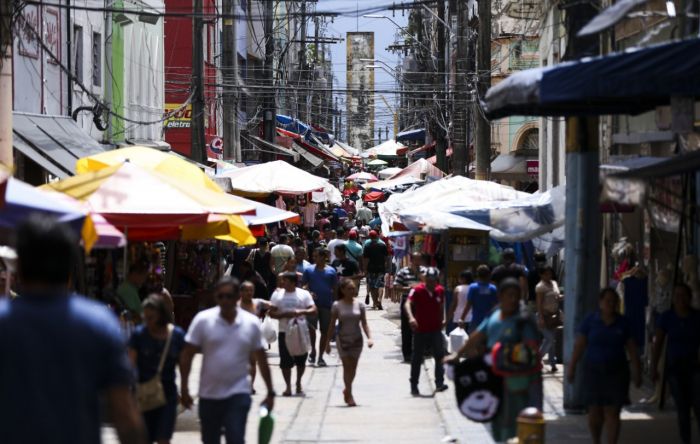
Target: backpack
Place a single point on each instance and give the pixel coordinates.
(515, 356)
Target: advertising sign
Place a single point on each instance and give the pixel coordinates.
(181, 119)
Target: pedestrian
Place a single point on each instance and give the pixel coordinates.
(227, 338)
(351, 315)
(679, 327)
(288, 303)
(248, 274)
(280, 254)
(154, 349)
(481, 298)
(301, 262)
(261, 260)
(534, 278)
(459, 301)
(510, 269)
(364, 215)
(128, 291)
(406, 279)
(354, 248)
(349, 206)
(257, 307)
(425, 310)
(321, 281)
(314, 245)
(60, 352)
(549, 316)
(508, 324)
(345, 267)
(336, 239)
(376, 263)
(605, 337)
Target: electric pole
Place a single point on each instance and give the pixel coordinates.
(483, 66)
(302, 95)
(437, 129)
(269, 114)
(461, 96)
(228, 62)
(199, 152)
(6, 157)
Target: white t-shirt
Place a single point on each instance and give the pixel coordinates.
(331, 247)
(280, 255)
(286, 301)
(461, 295)
(226, 350)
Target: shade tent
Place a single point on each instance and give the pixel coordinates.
(391, 184)
(348, 148)
(292, 125)
(411, 135)
(363, 176)
(390, 148)
(421, 169)
(388, 172)
(273, 177)
(631, 82)
(378, 162)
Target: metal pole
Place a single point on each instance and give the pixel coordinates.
(199, 152)
(269, 117)
(438, 131)
(227, 56)
(6, 157)
(459, 140)
(483, 126)
(108, 85)
(236, 130)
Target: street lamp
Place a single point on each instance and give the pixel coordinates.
(404, 30)
(379, 61)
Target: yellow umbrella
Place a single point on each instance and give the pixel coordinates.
(225, 228)
(151, 159)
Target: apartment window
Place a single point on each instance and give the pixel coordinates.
(96, 59)
(78, 53)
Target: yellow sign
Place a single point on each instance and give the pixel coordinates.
(181, 119)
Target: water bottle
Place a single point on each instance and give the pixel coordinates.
(266, 425)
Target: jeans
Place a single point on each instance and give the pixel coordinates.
(406, 332)
(229, 414)
(684, 382)
(421, 341)
(548, 343)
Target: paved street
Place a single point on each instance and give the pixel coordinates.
(386, 411)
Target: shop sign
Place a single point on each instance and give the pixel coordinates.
(533, 168)
(181, 119)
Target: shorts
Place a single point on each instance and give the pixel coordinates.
(321, 319)
(288, 361)
(375, 280)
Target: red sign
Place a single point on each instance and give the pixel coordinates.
(533, 168)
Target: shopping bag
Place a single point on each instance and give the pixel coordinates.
(478, 390)
(297, 337)
(457, 339)
(269, 331)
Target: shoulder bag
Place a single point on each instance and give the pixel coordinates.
(150, 394)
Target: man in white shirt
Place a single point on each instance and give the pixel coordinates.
(281, 253)
(227, 338)
(338, 239)
(287, 303)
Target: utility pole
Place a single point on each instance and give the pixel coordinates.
(315, 115)
(437, 130)
(108, 85)
(303, 73)
(199, 152)
(6, 157)
(461, 96)
(582, 240)
(269, 114)
(483, 66)
(229, 60)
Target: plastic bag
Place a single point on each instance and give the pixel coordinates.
(297, 337)
(269, 331)
(457, 339)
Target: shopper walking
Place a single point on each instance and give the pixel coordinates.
(154, 349)
(510, 269)
(227, 338)
(679, 327)
(257, 307)
(321, 281)
(549, 316)
(128, 291)
(405, 280)
(288, 303)
(425, 310)
(376, 263)
(481, 299)
(60, 351)
(606, 338)
(459, 301)
(281, 253)
(352, 319)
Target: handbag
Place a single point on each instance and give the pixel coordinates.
(513, 355)
(297, 337)
(150, 394)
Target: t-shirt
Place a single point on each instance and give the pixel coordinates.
(374, 223)
(508, 271)
(331, 247)
(303, 266)
(364, 214)
(354, 250)
(482, 296)
(406, 277)
(226, 350)
(58, 354)
(550, 296)
(280, 256)
(683, 334)
(313, 246)
(605, 343)
(376, 253)
(129, 296)
(346, 267)
(496, 328)
(321, 283)
(148, 353)
(309, 215)
(285, 301)
(428, 307)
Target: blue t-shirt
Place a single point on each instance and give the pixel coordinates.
(58, 354)
(148, 353)
(683, 334)
(482, 297)
(374, 223)
(605, 343)
(499, 329)
(321, 283)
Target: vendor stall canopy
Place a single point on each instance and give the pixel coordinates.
(273, 177)
(630, 82)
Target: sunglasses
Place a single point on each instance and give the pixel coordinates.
(226, 296)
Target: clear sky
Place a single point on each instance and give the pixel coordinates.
(384, 35)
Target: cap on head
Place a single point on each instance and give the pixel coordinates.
(353, 235)
(373, 234)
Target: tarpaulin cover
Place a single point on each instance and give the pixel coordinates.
(274, 177)
(420, 169)
(630, 82)
(293, 125)
(412, 135)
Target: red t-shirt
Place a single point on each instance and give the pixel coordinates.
(427, 307)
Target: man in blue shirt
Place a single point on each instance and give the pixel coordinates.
(322, 281)
(481, 298)
(59, 351)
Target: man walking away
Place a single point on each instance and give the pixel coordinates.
(336, 239)
(426, 315)
(128, 291)
(281, 253)
(322, 281)
(291, 303)
(60, 351)
(376, 261)
(229, 339)
(482, 297)
(510, 269)
(406, 279)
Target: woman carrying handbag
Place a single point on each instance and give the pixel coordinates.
(154, 349)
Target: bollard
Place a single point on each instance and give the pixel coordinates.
(531, 426)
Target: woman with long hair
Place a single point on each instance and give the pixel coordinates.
(147, 351)
(351, 316)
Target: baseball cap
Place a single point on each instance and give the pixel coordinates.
(353, 235)
(432, 273)
(373, 234)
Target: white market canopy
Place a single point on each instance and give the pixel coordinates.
(420, 169)
(273, 177)
(388, 148)
(388, 172)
